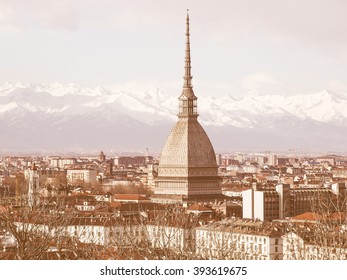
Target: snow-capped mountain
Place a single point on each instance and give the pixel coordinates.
(70, 117)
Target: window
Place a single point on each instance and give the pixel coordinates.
(260, 249)
(276, 241)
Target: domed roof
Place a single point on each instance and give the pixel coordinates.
(187, 167)
(188, 146)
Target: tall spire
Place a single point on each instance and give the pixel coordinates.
(187, 75)
(187, 100)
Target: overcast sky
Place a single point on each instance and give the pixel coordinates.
(271, 46)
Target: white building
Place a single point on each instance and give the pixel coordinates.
(239, 239)
(81, 176)
(174, 238)
(307, 246)
(91, 230)
(272, 160)
(62, 162)
(266, 205)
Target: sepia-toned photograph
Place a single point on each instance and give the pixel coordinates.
(173, 130)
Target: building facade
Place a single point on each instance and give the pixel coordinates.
(284, 201)
(76, 176)
(239, 239)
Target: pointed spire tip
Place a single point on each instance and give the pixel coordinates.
(187, 76)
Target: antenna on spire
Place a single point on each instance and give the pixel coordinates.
(187, 103)
(187, 76)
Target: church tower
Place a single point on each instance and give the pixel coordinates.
(187, 168)
(33, 180)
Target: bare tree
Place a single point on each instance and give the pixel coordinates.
(322, 233)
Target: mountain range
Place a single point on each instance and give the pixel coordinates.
(57, 118)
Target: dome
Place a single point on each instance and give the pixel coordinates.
(187, 166)
(188, 146)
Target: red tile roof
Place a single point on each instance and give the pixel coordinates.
(311, 216)
(198, 207)
(129, 197)
(2, 209)
(308, 216)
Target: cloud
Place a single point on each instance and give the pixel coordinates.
(260, 81)
(336, 86)
(38, 13)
